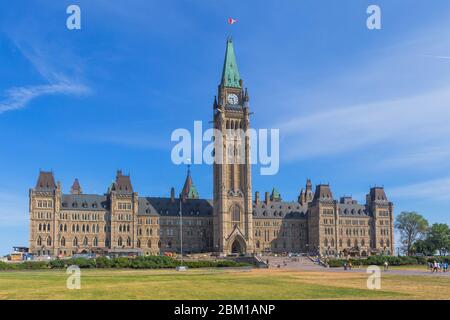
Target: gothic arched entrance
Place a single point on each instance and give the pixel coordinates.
(236, 247)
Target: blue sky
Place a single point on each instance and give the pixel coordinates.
(355, 108)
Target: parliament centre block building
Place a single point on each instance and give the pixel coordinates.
(233, 222)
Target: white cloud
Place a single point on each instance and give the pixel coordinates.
(19, 97)
(59, 68)
(438, 190)
(421, 119)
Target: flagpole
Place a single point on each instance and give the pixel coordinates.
(181, 232)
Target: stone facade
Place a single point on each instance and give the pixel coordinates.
(232, 222)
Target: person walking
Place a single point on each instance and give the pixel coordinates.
(435, 266)
(386, 265)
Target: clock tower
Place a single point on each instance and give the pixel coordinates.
(233, 223)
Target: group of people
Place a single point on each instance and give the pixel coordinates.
(436, 266)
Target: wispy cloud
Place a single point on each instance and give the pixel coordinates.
(60, 70)
(19, 97)
(436, 56)
(421, 158)
(432, 190)
(413, 120)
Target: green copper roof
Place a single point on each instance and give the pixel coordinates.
(193, 194)
(230, 73)
(275, 195)
(189, 190)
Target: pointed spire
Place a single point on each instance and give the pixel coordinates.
(76, 188)
(230, 73)
(189, 191)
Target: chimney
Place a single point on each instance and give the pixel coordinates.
(172, 195)
(266, 197)
(257, 197)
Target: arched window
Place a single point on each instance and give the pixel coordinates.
(48, 227)
(75, 242)
(129, 242)
(107, 243)
(65, 228)
(85, 241)
(325, 242)
(40, 227)
(138, 244)
(235, 215)
(95, 243)
(159, 244)
(340, 242)
(349, 243)
(63, 242)
(61, 227)
(356, 243)
(149, 243)
(39, 241)
(119, 241)
(363, 242)
(258, 244)
(49, 241)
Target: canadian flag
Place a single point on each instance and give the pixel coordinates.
(232, 21)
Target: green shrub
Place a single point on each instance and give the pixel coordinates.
(32, 265)
(121, 262)
(143, 262)
(81, 262)
(103, 262)
(5, 266)
(57, 264)
(378, 261)
(336, 263)
(439, 259)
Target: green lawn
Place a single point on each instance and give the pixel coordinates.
(216, 284)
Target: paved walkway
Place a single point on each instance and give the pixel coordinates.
(303, 263)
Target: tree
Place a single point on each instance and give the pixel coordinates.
(412, 226)
(439, 238)
(423, 246)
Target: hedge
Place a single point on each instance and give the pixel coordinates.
(149, 262)
(378, 260)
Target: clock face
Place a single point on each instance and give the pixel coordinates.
(232, 99)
